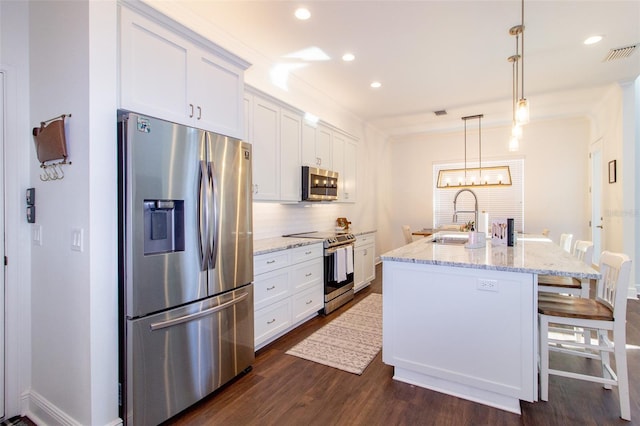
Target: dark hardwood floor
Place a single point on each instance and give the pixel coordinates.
(286, 390)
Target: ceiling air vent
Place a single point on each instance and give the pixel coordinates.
(440, 112)
(620, 52)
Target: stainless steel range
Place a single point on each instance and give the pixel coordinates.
(338, 267)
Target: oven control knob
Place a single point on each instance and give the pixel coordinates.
(332, 240)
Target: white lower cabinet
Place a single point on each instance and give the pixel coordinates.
(364, 253)
(288, 287)
(271, 321)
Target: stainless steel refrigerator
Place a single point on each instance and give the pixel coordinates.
(186, 265)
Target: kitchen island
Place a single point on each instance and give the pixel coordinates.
(464, 321)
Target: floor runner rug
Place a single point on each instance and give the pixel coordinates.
(350, 341)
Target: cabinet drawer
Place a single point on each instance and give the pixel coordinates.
(365, 239)
(307, 275)
(302, 254)
(272, 320)
(306, 303)
(271, 287)
(270, 262)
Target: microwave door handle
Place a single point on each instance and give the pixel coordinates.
(215, 228)
(203, 214)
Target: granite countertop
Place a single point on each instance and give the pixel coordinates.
(531, 254)
(268, 245)
(356, 231)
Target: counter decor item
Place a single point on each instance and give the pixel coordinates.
(476, 240)
(342, 224)
(499, 232)
(511, 232)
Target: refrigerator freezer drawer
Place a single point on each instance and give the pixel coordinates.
(178, 357)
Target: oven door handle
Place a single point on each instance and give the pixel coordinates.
(333, 249)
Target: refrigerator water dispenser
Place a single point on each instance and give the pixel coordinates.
(163, 226)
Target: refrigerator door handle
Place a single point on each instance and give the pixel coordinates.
(203, 216)
(191, 317)
(215, 228)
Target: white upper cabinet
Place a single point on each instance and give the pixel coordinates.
(275, 133)
(165, 74)
(316, 146)
(309, 157)
(349, 174)
(337, 161)
(265, 139)
(344, 154)
(324, 143)
(290, 145)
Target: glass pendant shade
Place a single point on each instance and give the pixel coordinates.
(516, 131)
(514, 144)
(522, 111)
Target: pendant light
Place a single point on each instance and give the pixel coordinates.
(516, 129)
(474, 176)
(522, 110)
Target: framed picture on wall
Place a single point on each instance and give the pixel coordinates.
(612, 171)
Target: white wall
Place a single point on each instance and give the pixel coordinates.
(556, 171)
(616, 122)
(74, 294)
(14, 62)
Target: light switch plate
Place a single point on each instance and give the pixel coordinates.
(36, 235)
(77, 237)
(30, 196)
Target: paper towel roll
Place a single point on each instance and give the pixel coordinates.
(483, 226)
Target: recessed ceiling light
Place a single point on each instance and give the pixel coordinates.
(302, 14)
(376, 84)
(348, 57)
(593, 39)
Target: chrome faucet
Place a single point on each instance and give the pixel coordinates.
(455, 209)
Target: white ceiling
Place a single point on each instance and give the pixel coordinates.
(433, 55)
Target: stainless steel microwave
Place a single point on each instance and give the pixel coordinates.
(319, 184)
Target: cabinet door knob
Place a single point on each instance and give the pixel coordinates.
(191, 113)
(199, 113)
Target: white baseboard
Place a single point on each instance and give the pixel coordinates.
(43, 412)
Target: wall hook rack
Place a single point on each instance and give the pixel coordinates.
(51, 147)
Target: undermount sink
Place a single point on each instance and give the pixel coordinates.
(451, 238)
(451, 241)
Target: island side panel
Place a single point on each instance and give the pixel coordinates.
(471, 327)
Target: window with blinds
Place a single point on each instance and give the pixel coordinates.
(497, 201)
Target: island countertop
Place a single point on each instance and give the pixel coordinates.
(531, 254)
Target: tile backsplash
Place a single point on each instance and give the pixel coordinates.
(274, 220)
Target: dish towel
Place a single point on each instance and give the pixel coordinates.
(340, 265)
(349, 253)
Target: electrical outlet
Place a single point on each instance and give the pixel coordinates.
(487, 285)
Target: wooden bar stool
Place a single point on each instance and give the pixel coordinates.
(560, 316)
(583, 250)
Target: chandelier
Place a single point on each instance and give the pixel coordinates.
(474, 176)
